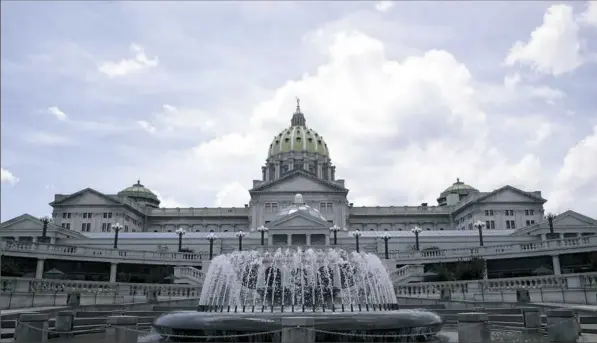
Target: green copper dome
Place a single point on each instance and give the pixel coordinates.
(298, 137)
(139, 193)
(459, 187)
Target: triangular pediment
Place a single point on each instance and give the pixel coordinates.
(87, 196)
(298, 220)
(22, 222)
(510, 194)
(299, 182)
(571, 218)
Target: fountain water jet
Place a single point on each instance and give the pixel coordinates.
(288, 277)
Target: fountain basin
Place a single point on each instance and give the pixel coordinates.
(191, 323)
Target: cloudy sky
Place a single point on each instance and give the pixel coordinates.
(187, 96)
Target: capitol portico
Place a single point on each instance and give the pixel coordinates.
(298, 198)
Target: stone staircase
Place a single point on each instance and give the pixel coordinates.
(407, 274)
(189, 276)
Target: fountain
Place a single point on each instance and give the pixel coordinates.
(251, 291)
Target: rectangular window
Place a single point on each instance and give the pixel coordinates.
(528, 223)
(491, 212)
(104, 227)
(487, 225)
(470, 226)
(526, 212)
(85, 215)
(274, 207)
(532, 212)
(83, 227)
(105, 214)
(68, 226)
(507, 224)
(63, 225)
(88, 227)
(268, 207)
(532, 222)
(512, 225)
(110, 215)
(126, 228)
(88, 215)
(68, 215)
(492, 222)
(64, 215)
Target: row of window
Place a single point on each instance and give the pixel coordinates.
(271, 207)
(509, 213)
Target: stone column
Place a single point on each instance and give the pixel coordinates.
(267, 173)
(319, 170)
(298, 330)
(52, 240)
(32, 328)
(288, 239)
(556, 264)
(121, 329)
(308, 241)
(473, 327)
(562, 326)
(64, 323)
(277, 166)
(113, 269)
(39, 271)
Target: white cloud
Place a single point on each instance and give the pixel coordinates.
(46, 138)
(168, 201)
(384, 6)
(415, 124)
(577, 179)
(7, 177)
(146, 126)
(173, 121)
(232, 195)
(128, 66)
(554, 47)
(590, 15)
(535, 128)
(58, 113)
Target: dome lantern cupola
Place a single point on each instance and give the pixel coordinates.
(453, 194)
(298, 119)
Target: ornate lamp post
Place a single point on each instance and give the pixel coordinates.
(416, 230)
(44, 233)
(479, 225)
(386, 237)
(240, 234)
(334, 229)
(356, 234)
(117, 227)
(211, 238)
(262, 230)
(550, 217)
(180, 232)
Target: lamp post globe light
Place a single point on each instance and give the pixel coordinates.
(479, 225)
(356, 234)
(44, 233)
(211, 238)
(117, 227)
(240, 234)
(416, 230)
(386, 237)
(262, 230)
(334, 229)
(180, 232)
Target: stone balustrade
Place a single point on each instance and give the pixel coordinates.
(571, 288)
(72, 252)
(569, 245)
(50, 286)
(407, 271)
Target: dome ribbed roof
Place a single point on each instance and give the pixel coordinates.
(459, 187)
(138, 191)
(298, 137)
